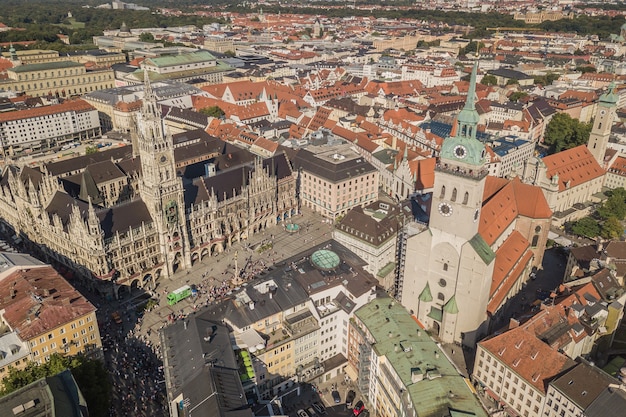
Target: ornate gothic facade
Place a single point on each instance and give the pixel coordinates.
(120, 218)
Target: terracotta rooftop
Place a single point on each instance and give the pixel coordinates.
(68, 106)
(573, 166)
(530, 358)
(38, 300)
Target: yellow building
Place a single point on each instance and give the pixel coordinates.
(45, 312)
(65, 78)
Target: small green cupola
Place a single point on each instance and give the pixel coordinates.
(610, 98)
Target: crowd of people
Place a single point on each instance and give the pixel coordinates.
(136, 368)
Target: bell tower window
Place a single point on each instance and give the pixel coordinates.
(453, 198)
(466, 197)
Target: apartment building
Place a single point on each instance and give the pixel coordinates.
(371, 233)
(573, 394)
(293, 322)
(514, 368)
(401, 370)
(44, 312)
(49, 125)
(334, 179)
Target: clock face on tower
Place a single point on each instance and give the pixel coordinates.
(445, 209)
(163, 159)
(460, 151)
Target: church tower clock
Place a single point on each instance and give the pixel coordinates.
(460, 174)
(161, 189)
(603, 121)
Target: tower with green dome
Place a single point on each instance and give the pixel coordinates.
(603, 121)
(460, 173)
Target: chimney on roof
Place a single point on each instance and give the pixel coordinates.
(513, 323)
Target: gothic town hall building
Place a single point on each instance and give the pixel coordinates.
(131, 216)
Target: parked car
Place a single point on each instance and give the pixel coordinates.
(319, 407)
(358, 408)
(336, 397)
(302, 413)
(349, 398)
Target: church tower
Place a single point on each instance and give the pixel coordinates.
(448, 267)
(603, 121)
(161, 189)
(460, 174)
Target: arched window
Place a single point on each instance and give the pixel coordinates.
(441, 297)
(535, 240)
(445, 266)
(453, 198)
(466, 197)
(443, 191)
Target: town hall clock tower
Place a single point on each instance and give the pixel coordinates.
(161, 189)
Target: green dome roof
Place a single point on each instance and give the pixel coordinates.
(325, 259)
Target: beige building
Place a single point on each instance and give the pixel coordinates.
(219, 44)
(371, 233)
(63, 78)
(335, 179)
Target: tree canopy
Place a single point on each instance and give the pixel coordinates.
(90, 375)
(563, 132)
(213, 111)
(489, 80)
(586, 227)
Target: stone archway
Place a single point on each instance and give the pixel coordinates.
(176, 263)
(146, 280)
(195, 257)
(204, 253)
(135, 285)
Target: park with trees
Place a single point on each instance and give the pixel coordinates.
(605, 221)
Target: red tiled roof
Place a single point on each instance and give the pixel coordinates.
(42, 290)
(574, 166)
(530, 358)
(511, 260)
(68, 106)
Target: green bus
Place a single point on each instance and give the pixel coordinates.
(178, 295)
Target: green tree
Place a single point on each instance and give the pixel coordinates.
(146, 37)
(489, 80)
(91, 150)
(547, 79)
(213, 111)
(612, 228)
(586, 226)
(473, 48)
(585, 69)
(614, 206)
(564, 132)
(516, 96)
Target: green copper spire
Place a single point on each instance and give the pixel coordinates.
(469, 113)
(463, 147)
